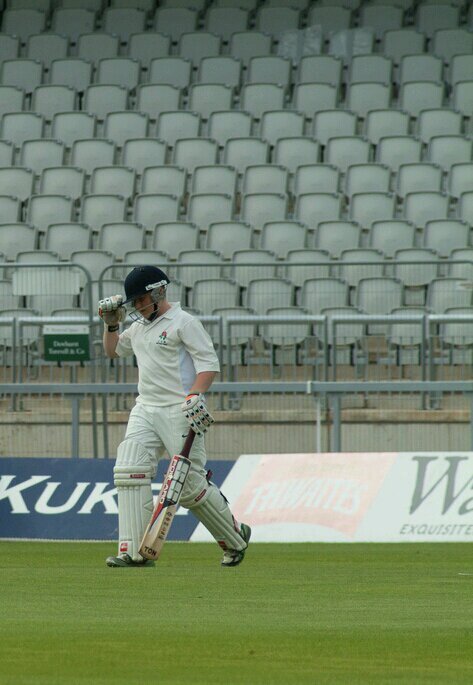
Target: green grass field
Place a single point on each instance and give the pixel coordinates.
(289, 614)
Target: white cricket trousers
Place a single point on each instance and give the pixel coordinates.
(160, 429)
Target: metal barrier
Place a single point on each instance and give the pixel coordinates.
(328, 417)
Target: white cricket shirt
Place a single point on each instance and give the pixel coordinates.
(170, 351)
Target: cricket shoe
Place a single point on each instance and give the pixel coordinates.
(124, 560)
(233, 557)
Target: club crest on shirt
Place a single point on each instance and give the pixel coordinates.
(163, 339)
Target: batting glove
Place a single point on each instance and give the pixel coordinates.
(196, 412)
(111, 310)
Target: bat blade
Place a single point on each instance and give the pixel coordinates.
(166, 506)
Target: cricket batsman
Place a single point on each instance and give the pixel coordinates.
(177, 364)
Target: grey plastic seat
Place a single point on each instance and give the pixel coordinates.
(432, 18)
(9, 46)
(71, 71)
(49, 209)
(148, 209)
(88, 154)
(311, 178)
(121, 71)
(243, 152)
(264, 293)
(343, 151)
(97, 45)
(47, 100)
(312, 208)
(463, 266)
(420, 207)
(306, 264)
(224, 21)
(199, 44)
(20, 126)
(259, 208)
(281, 124)
(124, 22)
(23, 23)
(145, 46)
(144, 256)
(415, 96)
(449, 150)
(370, 69)
(198, 264)
(206, 98)
(459, 178)
(445, 235)
(250, 264)
(457, 337)
(265, 178)
(406, 338)
(214, 179)
(368, 207)
(403, 41)
(8, 301)
(365, 96)
(291, 152)
(460, 69)
(353, 273)
(164, 179)
(221, 69)
(61, 180)
(276, 20)
(446, 43)
(391, 235)
(418, 176)
(212, 293)
(173, 126)
(97, 210)
(381, 18)
(16, 181)
(17, 237)
(443, 293)
(175, 21)
(206, 208)
(367, 178)
(438, 122)
(285, 337)
(120, 237)
(350, 42)
(113, 180)
(462, 96)
(12, 99)
(465, 207)
(71, 22)
(140, 153)
(192, 152)
(396, 150)
(68, 127)
(322, 293)
(174, 71)
(65, 238)
(269, 69)
(122, 126)
(257, 98)
(101, 99)
(282, 236)
(155, 99)
(10, 208)
(420, 68)
(45, 47)
(378, 295)
(95, 261)
(333, 122)
(6, 153)
(320, 69)
(174, 237)
(311, 98)
(227, 237)
(336, 236)
(244, 45)
(416, 268)
(229, 124)
(379, 123)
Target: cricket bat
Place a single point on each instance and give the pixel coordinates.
(168, 500)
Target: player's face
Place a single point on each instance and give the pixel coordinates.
(145, 305)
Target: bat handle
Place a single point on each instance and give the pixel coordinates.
(188, 443)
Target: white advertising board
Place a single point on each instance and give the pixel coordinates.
(352, 497)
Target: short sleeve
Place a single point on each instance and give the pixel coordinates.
(200, 347)
(124, 346)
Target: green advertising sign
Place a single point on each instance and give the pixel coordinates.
(66, 343)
